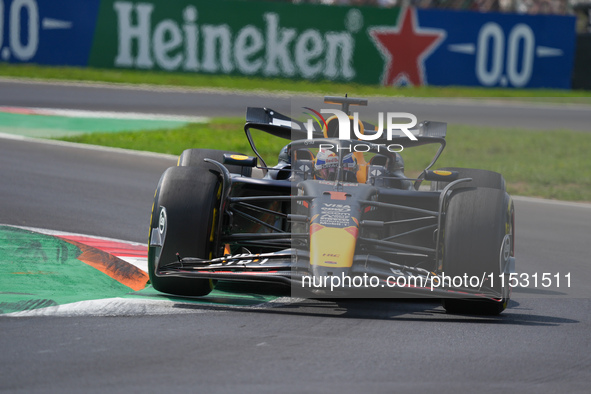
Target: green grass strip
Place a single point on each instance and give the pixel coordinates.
(57, 126)
(550, 164)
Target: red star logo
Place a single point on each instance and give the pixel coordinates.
(405, 48)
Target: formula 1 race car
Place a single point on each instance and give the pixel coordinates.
(335, 217)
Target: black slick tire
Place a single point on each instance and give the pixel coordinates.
(477, 241)
(184, 212)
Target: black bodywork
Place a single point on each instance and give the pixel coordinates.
(262, 232)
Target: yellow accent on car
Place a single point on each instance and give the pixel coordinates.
(215, 216)
(332, 247)
(152, 215)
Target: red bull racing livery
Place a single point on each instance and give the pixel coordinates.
(334, 217)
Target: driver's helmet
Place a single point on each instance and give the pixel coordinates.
(327, 164)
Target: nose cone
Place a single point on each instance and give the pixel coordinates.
(332, 247)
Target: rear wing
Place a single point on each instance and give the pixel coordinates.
(279, 125)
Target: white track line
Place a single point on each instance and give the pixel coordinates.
(66, 233)
(141, 307)
(139, 262)
(87, 146)
(536, 200)
(112, 307)
(75, 113)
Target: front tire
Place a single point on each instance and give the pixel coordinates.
(184, 213)
(478, 241)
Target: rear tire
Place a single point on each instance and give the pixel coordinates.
(194, 158)
(477, 242)
(189, 198)
(480, 178)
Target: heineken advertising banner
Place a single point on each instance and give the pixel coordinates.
(314, 42)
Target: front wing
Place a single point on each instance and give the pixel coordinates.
(290, 267)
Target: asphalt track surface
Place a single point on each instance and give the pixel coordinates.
(178, 101)
(540, 344)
